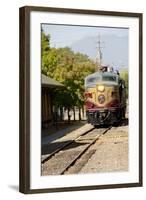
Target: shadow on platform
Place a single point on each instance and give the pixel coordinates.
(49, 148)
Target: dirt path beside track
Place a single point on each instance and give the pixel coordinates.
(111, 152)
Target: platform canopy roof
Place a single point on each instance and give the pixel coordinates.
(49, 82)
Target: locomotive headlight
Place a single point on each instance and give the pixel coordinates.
(101, 99)
(101, 88)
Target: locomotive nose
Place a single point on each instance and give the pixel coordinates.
(100, 93)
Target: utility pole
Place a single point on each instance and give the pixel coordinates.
(99, 53)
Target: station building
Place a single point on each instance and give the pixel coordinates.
(48, 86)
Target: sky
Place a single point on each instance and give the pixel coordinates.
(75, 36)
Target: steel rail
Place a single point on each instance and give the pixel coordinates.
(84, 150)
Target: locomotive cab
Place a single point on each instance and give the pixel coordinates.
(105, 98)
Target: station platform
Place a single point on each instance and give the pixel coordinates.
(53, 132)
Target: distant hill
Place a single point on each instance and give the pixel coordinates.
(115, 49)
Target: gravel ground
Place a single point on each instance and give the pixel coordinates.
(111, 152)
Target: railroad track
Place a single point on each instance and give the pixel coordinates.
(63, 158)
(64, 145)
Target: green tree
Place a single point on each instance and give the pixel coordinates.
(70, 69)
(45, 43)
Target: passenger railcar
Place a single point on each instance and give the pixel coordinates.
(105, 98)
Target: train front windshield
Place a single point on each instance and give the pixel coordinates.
(91, 81)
